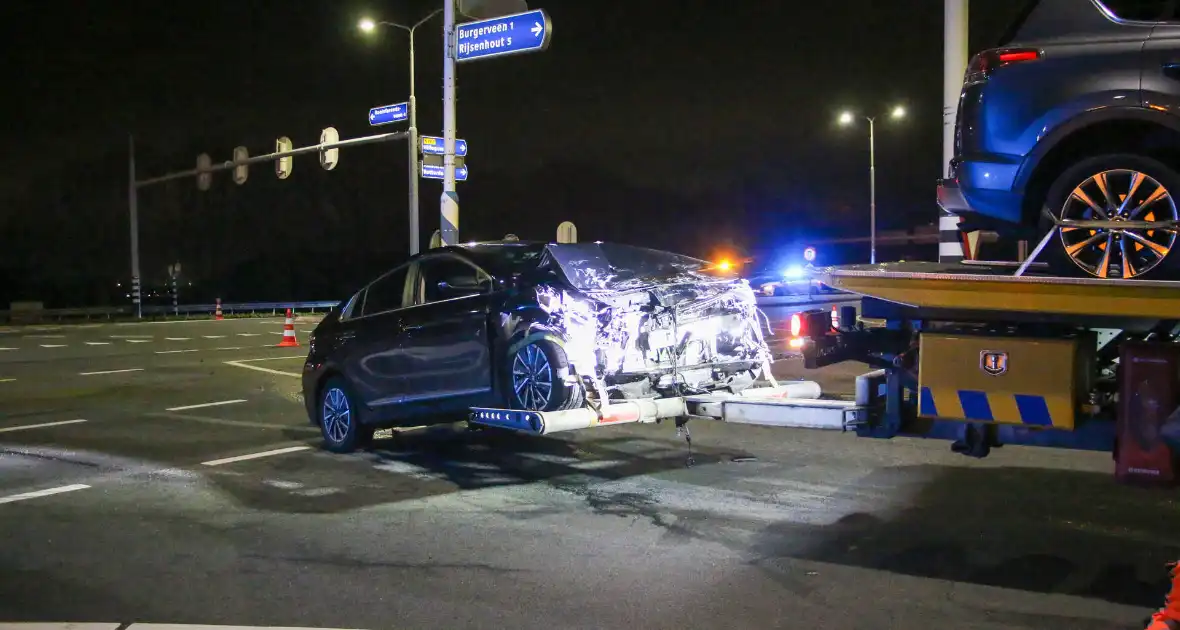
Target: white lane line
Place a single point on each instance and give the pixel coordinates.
(242, 458)
(131, 336)
(229, 348)
(98, 343)
(244, 363)
(45, 336)
(110, 372)
(213, 336)
(249, 334)
(26, 427)
(175, 351)
(210, 404)
(7, 380)
(139, 340)
(53, 345)
(177, 338)
(12, 498)
(3, 349)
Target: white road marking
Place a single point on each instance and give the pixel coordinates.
(230, 348)
(139, 340)
(53, 345)
(26, 427)
(177, 338)
(242, 458)
(4, 349)
(174, 351)
(213, 336)
(242, 363)
(189, 321)
(98, 343)
(42, 493)
(249, 334)
(7, 380)
(110, 372)
(131, 337)
(45, 336)
(209, 404)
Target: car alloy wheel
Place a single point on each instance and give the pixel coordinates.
(532, 378)
(336, 415)
(1118, 195)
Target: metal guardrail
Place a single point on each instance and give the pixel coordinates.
(276, 308)
(112, 312)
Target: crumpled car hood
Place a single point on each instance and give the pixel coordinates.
(597, 268)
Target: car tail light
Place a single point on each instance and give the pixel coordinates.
(986, 62)
(796, 325)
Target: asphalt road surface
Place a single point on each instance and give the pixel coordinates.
(167, 473)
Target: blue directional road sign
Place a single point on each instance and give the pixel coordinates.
(505, 35)
(389, 114)
(435, 146)
(434, 171)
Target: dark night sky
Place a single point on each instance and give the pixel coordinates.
(726, 104)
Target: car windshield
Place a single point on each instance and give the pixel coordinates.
(610, 266)
(505, 259)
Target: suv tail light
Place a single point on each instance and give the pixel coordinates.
(983, 64)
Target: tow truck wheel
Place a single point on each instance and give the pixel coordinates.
(536, 375)
(1117, 188)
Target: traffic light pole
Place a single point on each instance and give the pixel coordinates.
(133, 186)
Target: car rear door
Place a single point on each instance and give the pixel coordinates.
(371, 342)
(445, 342)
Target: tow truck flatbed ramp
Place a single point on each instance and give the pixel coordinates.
(983, 356)
(982, 288)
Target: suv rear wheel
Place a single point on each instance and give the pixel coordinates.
(1117, 188)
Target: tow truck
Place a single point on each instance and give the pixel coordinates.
(980, 353)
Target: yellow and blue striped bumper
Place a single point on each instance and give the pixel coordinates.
(1025, 381)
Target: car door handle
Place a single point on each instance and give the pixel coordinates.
(347, 335)
(1171, 69)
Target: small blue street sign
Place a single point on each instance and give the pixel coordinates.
(432, 171)
(434, 146)
(505, 35)
(389, 114)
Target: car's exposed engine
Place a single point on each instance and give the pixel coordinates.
(677, 338)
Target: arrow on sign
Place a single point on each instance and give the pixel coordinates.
(371, 115)
(537, 28)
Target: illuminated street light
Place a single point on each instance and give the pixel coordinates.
(846, 118)
(368, 25)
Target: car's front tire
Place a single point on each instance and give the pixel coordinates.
(339, 418)
(1118, 187)
(536, 375)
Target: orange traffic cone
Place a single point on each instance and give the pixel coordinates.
(217, 311)
(835, 318)
(1168, 617)
(289, 340)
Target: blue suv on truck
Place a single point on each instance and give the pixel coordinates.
(1075, 117)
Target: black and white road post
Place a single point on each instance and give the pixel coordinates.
(954, 64)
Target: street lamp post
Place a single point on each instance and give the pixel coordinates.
(368, 26)
(846, 119)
